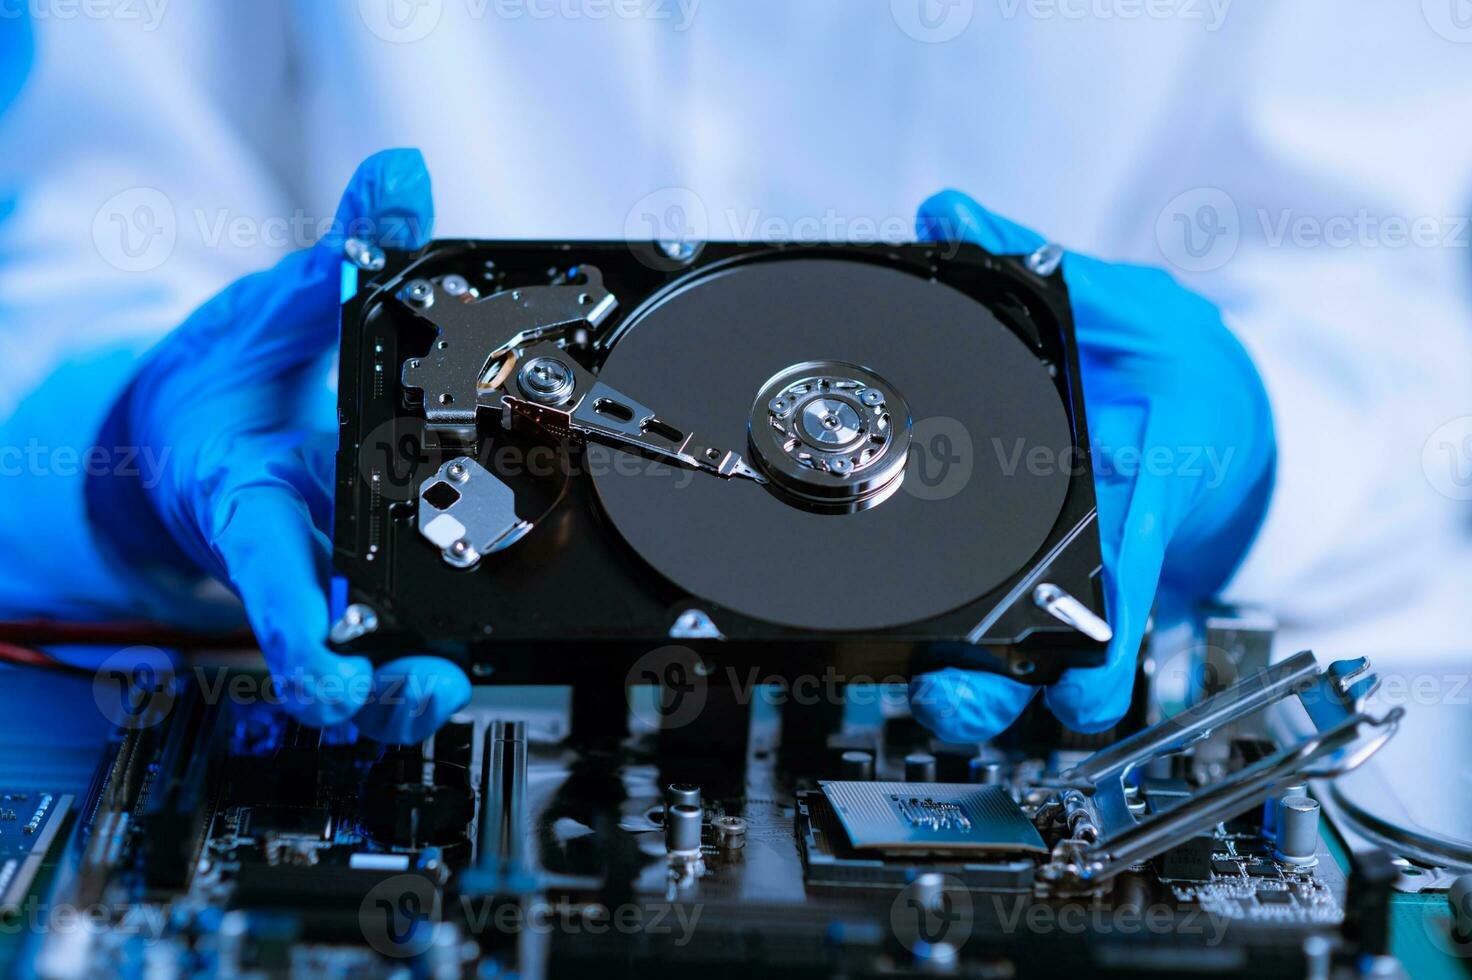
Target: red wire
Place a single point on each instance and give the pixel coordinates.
(27, 657)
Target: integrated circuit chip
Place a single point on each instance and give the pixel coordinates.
(932, 817)
(1189, 862)
(286, 821)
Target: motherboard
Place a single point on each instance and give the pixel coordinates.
(551, 832)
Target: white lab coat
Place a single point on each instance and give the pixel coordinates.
(1093, 121)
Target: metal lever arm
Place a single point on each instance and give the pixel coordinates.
(558, 396)
(1096, 799)
(473, 339)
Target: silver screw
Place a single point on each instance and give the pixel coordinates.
(547, 379)
(1046, 259)
(872, 397)
(457, 472)
(357, 620)
(841, 465)
(778, 407)
(454, 285)
(364, 255)
(420, 293)
(460, 547)
(680, 251)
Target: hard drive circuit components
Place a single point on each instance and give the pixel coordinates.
(872, 459)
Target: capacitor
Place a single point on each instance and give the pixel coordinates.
(985, 769)
(857, 765)
(920, 767)
(1297, 830)
(453, 747)
(682, 829)
(683, 794)
(1270, 807)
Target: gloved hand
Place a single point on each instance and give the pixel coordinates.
(1184, 457)
(229, 402)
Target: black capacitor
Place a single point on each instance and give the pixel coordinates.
(857, 766)
(417, 815)
(453, 749)
(920, 767)
(986, 769)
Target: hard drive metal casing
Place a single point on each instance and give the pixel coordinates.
(571, 600)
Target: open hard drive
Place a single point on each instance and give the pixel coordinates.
(557, 458)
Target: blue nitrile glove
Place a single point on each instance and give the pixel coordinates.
(245, 494)
(1183, 454)
(17, 50)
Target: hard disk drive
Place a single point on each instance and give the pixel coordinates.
(556, 458)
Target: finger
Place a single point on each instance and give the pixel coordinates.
(293, 307)
(388, 201)
(17, 53)
(1118, 310)
(951, 216)
(277, 562)
(965, 705)
(411, 699)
